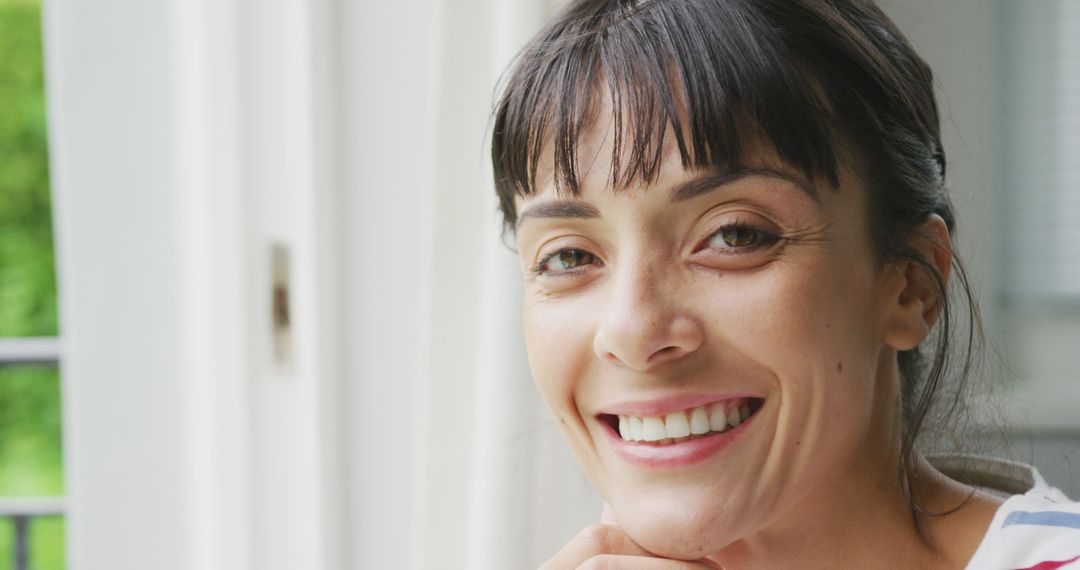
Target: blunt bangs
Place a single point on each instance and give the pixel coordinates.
(720, 67)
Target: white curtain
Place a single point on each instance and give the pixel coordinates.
(494, 486)
(479, 478)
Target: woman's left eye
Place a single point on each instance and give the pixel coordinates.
(565, 261)
(735, 237)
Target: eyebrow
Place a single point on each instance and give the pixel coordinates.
(560, 209)
(578, 209)
(704, 184)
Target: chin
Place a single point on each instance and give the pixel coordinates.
(673, 530)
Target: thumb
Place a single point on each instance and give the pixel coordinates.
(607, 516)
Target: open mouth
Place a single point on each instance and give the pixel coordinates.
(698, 422)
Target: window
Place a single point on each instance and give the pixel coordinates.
(1041, 101)
(31, 465)
(1040, 74)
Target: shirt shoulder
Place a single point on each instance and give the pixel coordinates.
(1038, 530)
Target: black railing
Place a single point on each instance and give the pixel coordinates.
(21, 511)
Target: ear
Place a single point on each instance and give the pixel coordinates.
(912, 300)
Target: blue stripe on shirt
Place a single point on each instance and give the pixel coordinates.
(1045, 518)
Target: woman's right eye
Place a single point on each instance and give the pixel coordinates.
(564, 261)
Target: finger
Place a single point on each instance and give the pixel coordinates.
(624, 562)
(607, 516)
(594, 540)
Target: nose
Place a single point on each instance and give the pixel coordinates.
(645, 322)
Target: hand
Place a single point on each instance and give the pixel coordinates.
(607, 546)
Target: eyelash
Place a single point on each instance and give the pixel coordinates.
(763, 239)
(539, 268)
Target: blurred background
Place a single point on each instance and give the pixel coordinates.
(255, 312)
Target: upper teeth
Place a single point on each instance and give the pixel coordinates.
(701, 420)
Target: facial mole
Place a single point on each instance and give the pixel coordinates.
(839, 366)
(828, 325)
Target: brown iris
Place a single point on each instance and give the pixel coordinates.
(573, 258)
(739, 236)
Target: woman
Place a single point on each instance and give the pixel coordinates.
(736, 239)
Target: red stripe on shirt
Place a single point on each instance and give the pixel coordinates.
(1050, 564)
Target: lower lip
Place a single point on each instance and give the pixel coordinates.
(674, 455)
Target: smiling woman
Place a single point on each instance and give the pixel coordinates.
(736, 238)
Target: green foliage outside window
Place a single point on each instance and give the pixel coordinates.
(27, 282)
(30, 458)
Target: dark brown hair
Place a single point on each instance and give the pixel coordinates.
(823, 82)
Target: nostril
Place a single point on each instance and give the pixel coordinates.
(666, 353)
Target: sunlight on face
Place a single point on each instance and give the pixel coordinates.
(752, 292)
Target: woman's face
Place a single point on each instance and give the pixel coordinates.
(658, 318)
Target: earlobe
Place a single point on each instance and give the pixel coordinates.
(906, 324)
(915, 289)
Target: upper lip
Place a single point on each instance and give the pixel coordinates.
(669, 404)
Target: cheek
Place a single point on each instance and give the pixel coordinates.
(790, 315)
(814, 331)
(558, 347)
